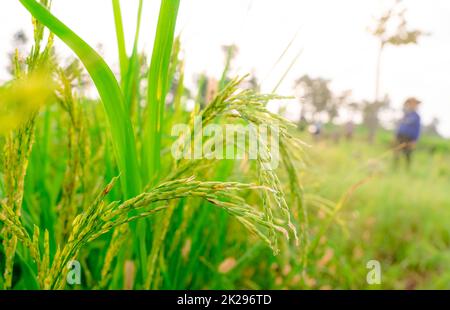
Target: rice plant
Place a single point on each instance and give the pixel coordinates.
(94, 181)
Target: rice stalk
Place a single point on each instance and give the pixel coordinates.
(123, 59)
(133, 78)
(119, 236)
(77, 151)
(250, 107)
(100, 217)
(19, 144)
(157, 89)
(85, 219)
(120, 125)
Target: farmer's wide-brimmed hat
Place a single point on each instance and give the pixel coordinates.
(413, 100)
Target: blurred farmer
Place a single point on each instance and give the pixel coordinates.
(315, 129)
(349, 130)
(408, 131)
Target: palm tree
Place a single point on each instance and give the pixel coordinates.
(395, 19)
(400, 36)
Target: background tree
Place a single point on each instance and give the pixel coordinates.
(390, 29)
(19, 42)
(370, 112)
(395, 19)
(316, 96)
(432, 127)
(353, 109)
(337, 103)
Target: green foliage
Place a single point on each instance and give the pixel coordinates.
(315, 93)
(395, 217)
(158, 82)
(395, 16)
(196, 223)
(55, 209)
(120, 126)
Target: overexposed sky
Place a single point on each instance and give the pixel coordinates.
(333, 35)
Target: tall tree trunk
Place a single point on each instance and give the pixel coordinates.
(372, 129)
(378, 73)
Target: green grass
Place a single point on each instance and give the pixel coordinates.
(158, 82)
(398, 217)
(58, 196)
(120, 126)
(195, 224)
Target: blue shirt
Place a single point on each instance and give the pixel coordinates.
(410, 126)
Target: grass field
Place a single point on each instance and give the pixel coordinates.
(399, 217)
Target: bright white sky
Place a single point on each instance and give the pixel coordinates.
(333, 34)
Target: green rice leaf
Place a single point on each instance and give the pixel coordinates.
(120, 38)
(119, 124)
(157, 88)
